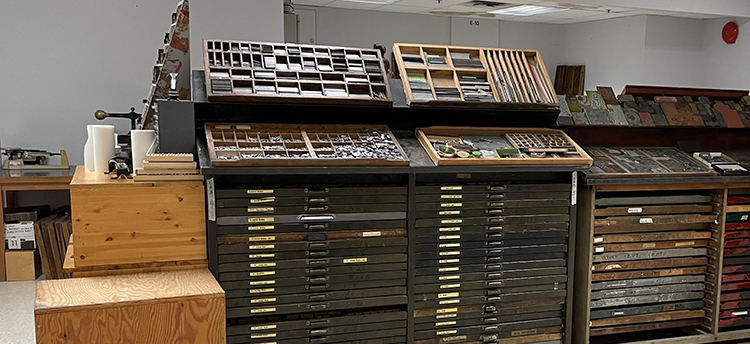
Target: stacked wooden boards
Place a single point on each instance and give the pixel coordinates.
(735, 273)
(52, 234)
(491, 262)
(570, 79)
(274, 72)
(440, 75)
(649, 256)
(308, 264)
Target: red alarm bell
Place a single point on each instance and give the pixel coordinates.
(729, 33)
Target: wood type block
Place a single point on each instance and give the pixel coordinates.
(608, 94)
(165, 307)
(596, 100)
(618, 115)
(730, 116)
(646, 119)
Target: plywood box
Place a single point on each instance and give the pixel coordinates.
(22, 265)
(179, 307)
(126, 222)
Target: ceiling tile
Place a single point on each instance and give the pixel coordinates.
(402, 9)
(420, 3)
(312, 2)
(353, 5)
(569, 14)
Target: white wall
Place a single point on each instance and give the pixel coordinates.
(547, 38)
(674, 52)
(62, 60)
(726, 65)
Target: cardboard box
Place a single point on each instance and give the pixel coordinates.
(19, 236)
(22, 265)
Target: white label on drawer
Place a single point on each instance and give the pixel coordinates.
(442, 333)
(739, 313)
(450, 212)
(261, 328)
(259, 228)
(262, 265)
(451, 221)
(451, 205)
(448, 278)
(646, 220)
(445, 323)
(272, 299)
(574, 189)
(617, 292)
(264, 255)
(260, 247)
(448, 269)
(263, 273)
(447, 295)
(599, 249)
(635, 210)
(618, 313)
(451, 188)
(263, 200)
(451, 196)
(355, 260)
(449, 237)
(259, 210)
(450, 253)
(685, 243)
(450, 286)
(450, 245)
(262, 282)
(446, 316)
(371, 234)
(266, 335)
(598, 239)
(263, 310)
(744, 217)
(255, 192)
(262, 238)
(649, 245)
(447, 310)
(211, 198)
(450, 229)
(449, 261)
(260, 219)
(261, 291)
(449, 302)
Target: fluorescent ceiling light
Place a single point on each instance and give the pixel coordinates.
(527, 10)
(381, 2)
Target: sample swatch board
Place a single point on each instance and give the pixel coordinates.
(271, 72)
(439, 75)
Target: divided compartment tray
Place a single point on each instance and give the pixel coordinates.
(294, 73)
(518, 137)
(619, 162)
(269, 145)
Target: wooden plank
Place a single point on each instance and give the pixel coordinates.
(649, 92)
(650, 264)
(644, 318)
(653, 210)
(658, 236)
(560, 79)
(651, 200)
(610, 276)
(39, 228)
(649, 245)
(582, 273)
(650, 228)
(655, 220)
(650, 254)
(645, 327)
(737, 208)
(647, 290)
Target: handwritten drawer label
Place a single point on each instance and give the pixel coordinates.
(371, 234)
(264, 255)
(260, 219)
(262, 238)
(260, 247)
(262, 265)
(646, 220)
(635, 210)
(355, 260)
(262, 310)
(259, 228)
(451, 188)
(451, 205)
(255, 192)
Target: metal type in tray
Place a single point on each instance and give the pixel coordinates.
(321, 262)
(466, 244)
(263, 273)
(482, 188)
(317, 192)
(507, 204)
(498, 283)
(650, 237)
(451, 269)
(517, 219)
(638, 201)
(500, 146)
(307, 236)
(645, 327)
(650, 290)
(638, 162)
(232, 290)
(274, 201)
(499, 196)
(509, 238)
(649, 245)
(316, 306)
(298, 210)
(252, 301)
(491, 212)
(291, 259)
(646, 299)
(627, 311)
(252, 247)
(315, 227)
(323, 280)
(654, 220)
(612, 276)
(649, 254)
(647, 282)
(645, 228)
(302, 145)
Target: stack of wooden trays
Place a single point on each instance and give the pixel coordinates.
(313, 264)
(491, 262)
(650, 259)
(735, 289)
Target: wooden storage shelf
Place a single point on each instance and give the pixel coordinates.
(272, 72)
(515, 137)
(501, 78)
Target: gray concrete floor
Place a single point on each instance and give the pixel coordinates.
(17, 312)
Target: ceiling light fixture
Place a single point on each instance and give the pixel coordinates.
(380, 2)
(527, 10)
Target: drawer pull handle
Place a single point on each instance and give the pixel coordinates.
(497, 204)
(320, 306)
(318, 253)
(496, 219)
(318, 280)
(319, 331)
(497, 196)
(322, 217)
(317, 287)
(318, 271)
(317, 200)
(316, 191)
(318, 340)
(318, 244)
(317, 226)
(496, 211)
(318, 323)
(498, 188)
(318, 297)
(321, 208)
(318, 262)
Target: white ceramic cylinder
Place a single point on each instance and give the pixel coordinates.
(104, 146)
(88, 149)
(142, 142)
